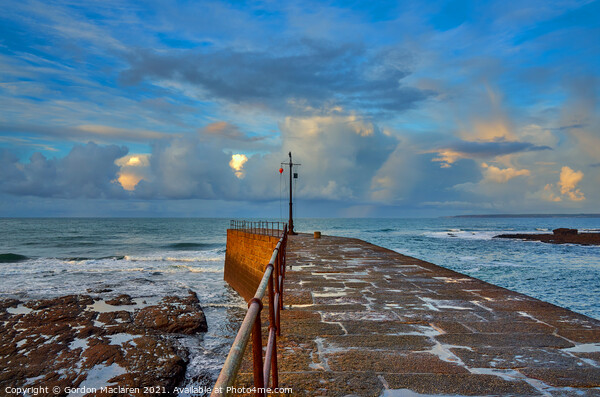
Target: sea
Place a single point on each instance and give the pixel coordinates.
(151, 258)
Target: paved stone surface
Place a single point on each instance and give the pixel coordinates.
(366, 321)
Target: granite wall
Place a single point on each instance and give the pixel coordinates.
(247, 256)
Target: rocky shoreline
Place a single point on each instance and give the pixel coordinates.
(80, 341)
(559, 236)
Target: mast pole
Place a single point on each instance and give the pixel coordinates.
(291, 221)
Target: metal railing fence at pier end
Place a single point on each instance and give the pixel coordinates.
(266, 228)
(272, 281)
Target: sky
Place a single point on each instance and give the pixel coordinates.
(392, 108)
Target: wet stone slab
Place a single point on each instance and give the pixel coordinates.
(361, 320)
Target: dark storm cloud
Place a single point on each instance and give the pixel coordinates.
(309, 73)
(87, 171)
(496, 148)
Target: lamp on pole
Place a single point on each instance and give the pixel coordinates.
(295, 176)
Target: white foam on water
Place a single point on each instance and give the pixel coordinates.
(475, 235)
(193, 269)
(20, 309)
(213, 255)
(101, 306)
(468, 258)
(97, 377)
(461, 234)
(121, 339)
(78, 343)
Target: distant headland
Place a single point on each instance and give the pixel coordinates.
(527, 216)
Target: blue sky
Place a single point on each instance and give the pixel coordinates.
(175, 108)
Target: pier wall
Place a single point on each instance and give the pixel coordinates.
(246, 258)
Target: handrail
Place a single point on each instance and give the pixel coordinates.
(266, 228)
(272, 281)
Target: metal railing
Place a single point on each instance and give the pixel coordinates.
(273, 281)
(266, 228)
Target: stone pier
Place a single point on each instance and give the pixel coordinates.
(362, 320)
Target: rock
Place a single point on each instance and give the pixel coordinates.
(57, 342)
(174, 315)
(562, 231)
(121, 300)
(560, 236)
(98, 290)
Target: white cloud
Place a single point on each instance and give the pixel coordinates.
(566, 187)
(502, 175)
(568, 183)
(237, 164)
(133, 169)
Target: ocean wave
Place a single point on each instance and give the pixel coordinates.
(106, 270)
(191, 246)
(214, 255)
(194, 269)
(479, 265)
(385, 230)
(82, 258)
(459, 233)
(12, 258)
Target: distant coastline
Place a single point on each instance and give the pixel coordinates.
(527, 216)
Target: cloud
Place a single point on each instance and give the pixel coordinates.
(472, 150)
(489, 131)
(87, 171)
(237, 164)
(186, 168)
(548, 193)
(339, 153)
(121, 133)
(85, 131)
(566, 186)
(27, 142)
(225, 130)
(568, 183)
(311, 72)
(133, 168)
(498, 175)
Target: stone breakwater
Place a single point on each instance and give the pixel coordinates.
(80, 342)
(361, 320)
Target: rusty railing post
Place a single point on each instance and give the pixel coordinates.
(273, 330)
(259, 381)
(277, 291)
